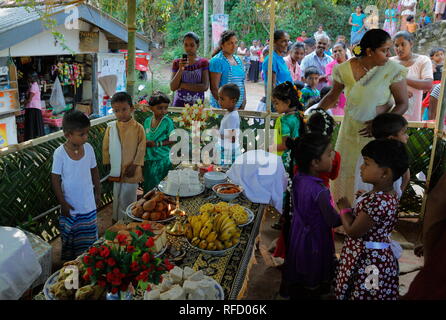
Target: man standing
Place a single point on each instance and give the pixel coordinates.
(319, 60)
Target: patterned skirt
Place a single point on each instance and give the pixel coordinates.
(78, 233)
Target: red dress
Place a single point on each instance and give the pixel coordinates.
(353, 282)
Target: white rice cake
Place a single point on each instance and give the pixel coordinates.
(197, 295)
(187, 272)
(197, 276)
(154, 294)
(176, 274)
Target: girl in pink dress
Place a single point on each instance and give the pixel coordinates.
(339, 56)
(368, 269)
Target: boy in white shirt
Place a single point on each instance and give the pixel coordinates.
(75, 180)
(228, 96)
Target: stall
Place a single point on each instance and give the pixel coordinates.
(90, 51)
(9, 106)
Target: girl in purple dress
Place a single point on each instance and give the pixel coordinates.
(310, 261)
(190, 76)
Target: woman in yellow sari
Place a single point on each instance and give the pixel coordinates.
(369, 81)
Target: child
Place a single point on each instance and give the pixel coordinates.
(321, 122)
(309, 267)
(310, 92)
(369, 225)
(34, 127)
(290, 125)
(158, 128)
(437, 57)
(73, 176)
(228, 96)
(424, 19)
(386, 126)
(315, 103)
(123, 148)
(411, 24)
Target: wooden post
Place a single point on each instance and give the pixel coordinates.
(269, 86)
(438, 130)
(131, 46)
(206, 27)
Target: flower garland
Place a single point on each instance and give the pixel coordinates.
(198, 112)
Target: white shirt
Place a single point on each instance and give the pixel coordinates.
(77, 183)
(408, 3)
(253, 51)
(230, 121)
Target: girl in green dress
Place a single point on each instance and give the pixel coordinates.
(290, 125)
(158, 128)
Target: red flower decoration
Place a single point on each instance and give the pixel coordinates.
(150, 243)
(124, 287)
(145, 257)
(147, 226)
(169, 266)
(102, 283)
(87, 259)
(99, 265)
(122, 239)
(116, 271)
(139, 233)
(130, 249)
(86, 277)
(111, 262)
(90, 271)
(105, 252)
(93, 251)
(134, 266)
(114, 290)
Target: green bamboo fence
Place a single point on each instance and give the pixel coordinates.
(27, 199)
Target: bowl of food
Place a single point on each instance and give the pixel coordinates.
(214, 177)
(227, 191)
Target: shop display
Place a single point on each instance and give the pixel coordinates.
(185, 284)
(69, 73)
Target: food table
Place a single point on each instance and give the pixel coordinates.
(231, 270)
(43, 252)
(19, 266)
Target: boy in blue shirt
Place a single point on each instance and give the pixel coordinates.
(310, 91)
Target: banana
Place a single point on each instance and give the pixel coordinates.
(204, 218)
(228, 225)
(211, 237)
(235, 240)
(227, 234)
(197, 228)
(211, 246)
(225, 220)
(219, 245)
(195, 241)
(203, 244)
(228, 244)
(189, 232)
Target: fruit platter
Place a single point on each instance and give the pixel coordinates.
(153, 206)
(241, 215)
(213, 232)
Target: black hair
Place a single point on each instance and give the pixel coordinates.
(434, 51)
(288, 91)
(158, 97)
(310, 42)
(307, 148)
(225, 37)
(388, 153)
(122, 97)
(320, 121)
(32, 77)
(231, 90)
(404, 34)
(362, 10)
(372, 39)
(424, 11)
(74, 120)
(324, 91)
(297, 45)
(278, 34)
(193, 36)
(409, 18)
(311, 70)
(387, 124)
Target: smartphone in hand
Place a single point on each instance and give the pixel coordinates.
(184, 58)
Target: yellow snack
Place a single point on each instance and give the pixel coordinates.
(236, 208)
(207, 208)
(219, 207)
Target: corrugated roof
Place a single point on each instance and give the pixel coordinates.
(11, 18)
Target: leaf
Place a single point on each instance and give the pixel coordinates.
(110, 235)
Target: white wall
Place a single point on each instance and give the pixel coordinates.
(43, 44)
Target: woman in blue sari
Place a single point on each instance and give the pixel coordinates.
(226, 67)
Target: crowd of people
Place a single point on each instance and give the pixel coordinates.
(357, 186)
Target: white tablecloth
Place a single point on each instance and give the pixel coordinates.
(19, 267)
(43, 251)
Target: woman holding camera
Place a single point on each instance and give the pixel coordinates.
(190, 74)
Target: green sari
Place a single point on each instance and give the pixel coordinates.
(157, 160)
